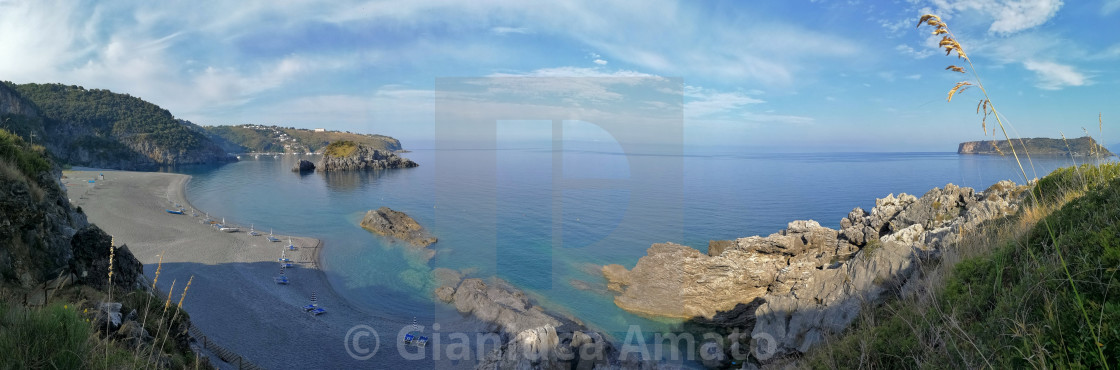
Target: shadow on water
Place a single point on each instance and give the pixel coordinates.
(355, 180)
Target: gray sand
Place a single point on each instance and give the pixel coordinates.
(233, 298)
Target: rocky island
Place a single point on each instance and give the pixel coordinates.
(351, 156)
(1079, 147)
(394, 224)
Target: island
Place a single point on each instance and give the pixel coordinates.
(1079, 147)
(350, 156)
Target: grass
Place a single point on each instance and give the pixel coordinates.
(343, 148)
(1036, 289)
(54, 337)
(1002, 299)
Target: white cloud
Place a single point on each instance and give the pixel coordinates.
(910, 52)
(1008, 16)
(708, 103)
(509, 30)
(1054, 76)
(600, 62)
(914, 77)
(1110, 6)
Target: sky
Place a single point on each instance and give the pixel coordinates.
(778, 75)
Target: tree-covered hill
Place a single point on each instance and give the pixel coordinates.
(95, 127)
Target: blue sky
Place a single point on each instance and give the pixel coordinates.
(760, 75)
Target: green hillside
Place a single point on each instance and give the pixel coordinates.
(95, 127)
(275, 139)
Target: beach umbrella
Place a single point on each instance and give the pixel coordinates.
(314, 298)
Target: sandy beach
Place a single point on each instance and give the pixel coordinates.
(233, 299)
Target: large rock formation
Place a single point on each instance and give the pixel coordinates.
(807, 280)
(359, 157)
(1079, 147)
(398, 225)
(532, 337)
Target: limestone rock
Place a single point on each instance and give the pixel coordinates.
(716, 247)
(805, 282)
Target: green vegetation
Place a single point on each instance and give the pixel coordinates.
(1003, 299)
(106, 113)
(30, 160)
(340, 149)
(51, 337)
(59, 336)
(274, 139)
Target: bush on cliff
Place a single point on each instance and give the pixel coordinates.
(29, 159)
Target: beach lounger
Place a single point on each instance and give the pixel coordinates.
(318, 311)
(283, 260)
(310, 307)
(287, 265)
(282, 280)
(423, 341)
(408, 338)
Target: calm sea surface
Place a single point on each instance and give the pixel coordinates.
(545, 220)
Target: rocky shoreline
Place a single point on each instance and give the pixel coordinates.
(532, 337)
(807, 281)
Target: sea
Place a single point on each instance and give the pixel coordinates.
(546, 218)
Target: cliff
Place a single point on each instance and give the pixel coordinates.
(351, 156)
(54, 267)
(99, 128)
(1079, 147)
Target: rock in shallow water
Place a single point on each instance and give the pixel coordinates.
(398, 225)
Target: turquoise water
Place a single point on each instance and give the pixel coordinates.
(507, 212)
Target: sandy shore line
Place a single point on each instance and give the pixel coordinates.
(234, 299)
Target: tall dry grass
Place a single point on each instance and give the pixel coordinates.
(950, 43)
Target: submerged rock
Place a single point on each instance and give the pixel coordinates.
(398, 225)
